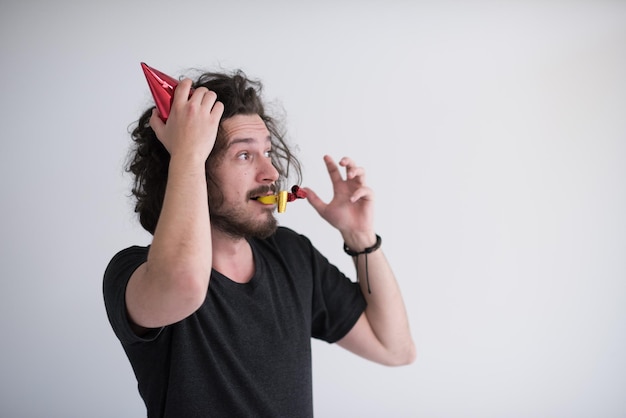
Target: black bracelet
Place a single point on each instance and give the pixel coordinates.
(368, 250)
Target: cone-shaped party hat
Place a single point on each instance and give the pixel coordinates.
(162, 87)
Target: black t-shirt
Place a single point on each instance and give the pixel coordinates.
(246, 352)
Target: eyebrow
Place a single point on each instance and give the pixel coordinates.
(246, 141)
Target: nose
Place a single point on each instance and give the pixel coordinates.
(267, 171)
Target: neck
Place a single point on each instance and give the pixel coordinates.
(232, 256)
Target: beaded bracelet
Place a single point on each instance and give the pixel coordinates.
(366, 251)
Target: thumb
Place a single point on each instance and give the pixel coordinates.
(158, 126)
(156, 123)
(314, 200)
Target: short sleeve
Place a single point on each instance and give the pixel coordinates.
(116, 277)
(337, 301)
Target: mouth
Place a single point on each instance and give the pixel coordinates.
(277, 198)
(270, 199)
(265, 195)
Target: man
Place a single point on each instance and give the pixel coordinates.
(216, 315)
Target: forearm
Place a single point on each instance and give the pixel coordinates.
(182, 240)
(386, 312)
(173, 282)
(382, 333)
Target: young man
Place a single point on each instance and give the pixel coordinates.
(216, 315)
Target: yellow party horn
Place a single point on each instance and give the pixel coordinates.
(282, 198)
(269, 199)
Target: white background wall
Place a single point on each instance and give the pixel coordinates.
(494, 134)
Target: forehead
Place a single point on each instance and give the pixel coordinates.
(244, 128)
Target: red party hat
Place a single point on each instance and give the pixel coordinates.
(162, 87)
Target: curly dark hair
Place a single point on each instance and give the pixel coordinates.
(149, 160)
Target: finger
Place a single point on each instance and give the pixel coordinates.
(198, 95)
(333, 169)
(362, 193)
(356, 173)
(346, 161)
(352, 170)
(181, 92)
(156, 123)
(209, 98)
(217, 110)
(315, 201)
(158, 126)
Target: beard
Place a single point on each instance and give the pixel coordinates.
(234, 222)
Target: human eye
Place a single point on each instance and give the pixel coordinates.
(244, 155)
(268, 153)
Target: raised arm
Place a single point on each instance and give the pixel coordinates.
(382, 334)
(173, 282)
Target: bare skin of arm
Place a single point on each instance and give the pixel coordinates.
(382, 333)
(173, 282)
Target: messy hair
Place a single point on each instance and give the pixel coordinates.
(149, 160)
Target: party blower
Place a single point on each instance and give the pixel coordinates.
(162, 87)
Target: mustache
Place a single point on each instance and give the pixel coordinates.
(263, 190)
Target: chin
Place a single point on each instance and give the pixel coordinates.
(268, 229)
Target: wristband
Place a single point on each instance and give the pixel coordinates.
(366, 251)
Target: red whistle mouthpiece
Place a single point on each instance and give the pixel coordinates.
(296, 193)
(162, 87)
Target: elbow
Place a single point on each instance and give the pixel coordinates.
(403, 357)
(411, 356)
(192, 289)
(183, 277)
(159, 297)
(182, 292)
(182, 299)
